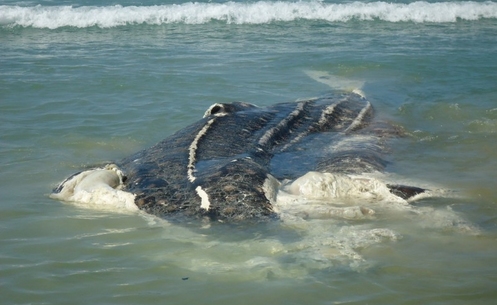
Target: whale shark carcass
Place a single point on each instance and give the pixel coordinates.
(232, 163)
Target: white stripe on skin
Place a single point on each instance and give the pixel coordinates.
(193, 150)
(360, 117)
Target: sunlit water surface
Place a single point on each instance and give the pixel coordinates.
(99, 85)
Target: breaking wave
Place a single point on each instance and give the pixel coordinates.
(261, 12)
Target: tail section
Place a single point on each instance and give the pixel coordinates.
(337, 82)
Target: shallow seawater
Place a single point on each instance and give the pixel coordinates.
(82, 91)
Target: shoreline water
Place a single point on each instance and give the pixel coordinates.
(77, 97)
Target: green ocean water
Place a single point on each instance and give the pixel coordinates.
(79, 88)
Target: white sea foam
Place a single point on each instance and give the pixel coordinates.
(314, 206)
(260, 12)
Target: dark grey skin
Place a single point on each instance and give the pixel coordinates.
(230, 153)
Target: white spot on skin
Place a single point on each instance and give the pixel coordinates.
(204, 203)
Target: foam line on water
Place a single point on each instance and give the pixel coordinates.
(261, 12)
